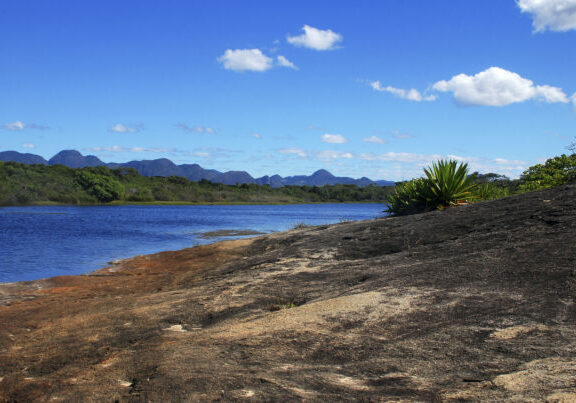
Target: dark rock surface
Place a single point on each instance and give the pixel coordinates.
(475, 303)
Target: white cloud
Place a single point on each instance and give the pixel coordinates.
(296, 151)
(411, 164)
(121, 128)
(283, 62)
(196, 129)
(246, 60)
(28, 145)
(14, 126)
(401, 157)
(19, 126)
(315, 38)
(503, 161)
(334, 138)
(374, 139)
(411, 94)
(202, 154)
(325, 155)
(556, 15)
(257, 135)
(498, 87)
(573, 98)
(329, 155)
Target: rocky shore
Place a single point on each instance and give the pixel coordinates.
(472, 303)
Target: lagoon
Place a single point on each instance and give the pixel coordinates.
(45, 241)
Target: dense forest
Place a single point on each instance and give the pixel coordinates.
(22, 184)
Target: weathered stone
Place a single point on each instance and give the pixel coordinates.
(472, 303)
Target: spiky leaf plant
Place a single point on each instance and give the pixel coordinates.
(446, 183)
(450, 183)
(408, 197)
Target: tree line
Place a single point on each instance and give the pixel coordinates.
(22, 184)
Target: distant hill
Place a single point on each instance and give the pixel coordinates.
(22, 158)
(194, 172)
(73, 159)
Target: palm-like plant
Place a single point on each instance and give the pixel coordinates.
(446, 184)
(408, 197)
(450, 183)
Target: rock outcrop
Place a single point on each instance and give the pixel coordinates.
(472, 303)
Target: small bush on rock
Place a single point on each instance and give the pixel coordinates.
(446, 184)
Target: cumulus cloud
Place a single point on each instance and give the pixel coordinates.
(411, 94)
(202, 154)
(573, 98)
(334, 138)
(374, 139)
(413, 162)
(556, 15)
(195, 129)
(121, 128)
(28, 145)
(498, 87)
(283, 62)
(330, 155)
(315, 38)
(252, 60)
(296, 151)
(14, 126)
(401, 157)
(325, 155)
(19, 126)
(246, 60)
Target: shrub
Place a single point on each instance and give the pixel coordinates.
(554, 172)
(490, 191)
(408, 197)
(103, 187)
(446, 184)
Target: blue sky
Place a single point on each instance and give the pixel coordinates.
(361, 88)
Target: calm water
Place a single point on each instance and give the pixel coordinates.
(39, 242)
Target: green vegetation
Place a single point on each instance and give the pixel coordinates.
(22, 184)
(446, 184)
(555, 171)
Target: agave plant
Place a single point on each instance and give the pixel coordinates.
(450, 183)
(446, 184)
(409, 197)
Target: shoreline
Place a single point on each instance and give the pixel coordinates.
(181, 203)
(231, 234)
(186, 227)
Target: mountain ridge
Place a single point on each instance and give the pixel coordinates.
(194, 172)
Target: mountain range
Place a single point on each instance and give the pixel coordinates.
(194, 172)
